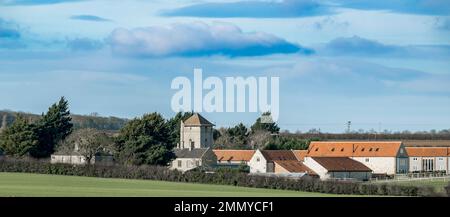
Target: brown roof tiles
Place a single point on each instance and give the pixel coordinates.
(294, 166)
(341, 164)
(197, 120)
(277, 155)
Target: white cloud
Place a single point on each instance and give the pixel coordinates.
(197, 39)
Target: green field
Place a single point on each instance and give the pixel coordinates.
(25, 184)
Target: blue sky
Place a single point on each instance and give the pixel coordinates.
(380, 64)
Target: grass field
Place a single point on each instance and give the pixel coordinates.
(25, 184)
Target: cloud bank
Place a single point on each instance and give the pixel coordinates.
(34, 2)
(87, 17)
(428, 7)
(358, 46)
(305, 8)
(10, 35)
(198, 39)
(256, 9)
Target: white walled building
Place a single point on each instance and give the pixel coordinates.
(338, 168)
(77, 159)
(428, 159)
(277, 162)
(233, 158)
(382, 157)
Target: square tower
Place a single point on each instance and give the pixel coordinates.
(196, 132)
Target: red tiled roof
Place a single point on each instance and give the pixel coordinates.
(300, 154)
(234, 155)
(353, 149)
(428, 151)
(341, 164)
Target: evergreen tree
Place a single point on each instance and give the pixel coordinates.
(239, 136)
(53, 127)
(18, 139)
(145, 140)
(174, 125)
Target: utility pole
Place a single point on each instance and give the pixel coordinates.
(349, 125)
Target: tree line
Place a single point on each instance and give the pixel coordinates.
(93, 120)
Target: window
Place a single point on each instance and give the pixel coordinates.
(370, 149)
(257, 159)
(332, 149)
(342, 149)
(317, 149)
(377, 149)
(367, 159)
(441, 158)
(179, 163)
(197, 163)
(362, 149)
(414, 158)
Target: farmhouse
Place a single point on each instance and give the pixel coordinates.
(75, 156)
(428, 159)
(194, 149)
(382, 157)
(338, 168)
(233, 158)
(276, 161)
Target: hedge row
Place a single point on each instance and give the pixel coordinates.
(220, 177)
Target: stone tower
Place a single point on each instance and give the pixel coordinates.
(196, 132)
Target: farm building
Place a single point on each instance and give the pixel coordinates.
(233, 158)
(381, 157)
(188, 159)
(78, 159)
(338, 168)
(276, 161)
(428, 159)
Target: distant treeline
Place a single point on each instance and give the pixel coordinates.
(431, 135)
(78, 121)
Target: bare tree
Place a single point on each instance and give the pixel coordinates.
(88, 143)
(259, 138)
